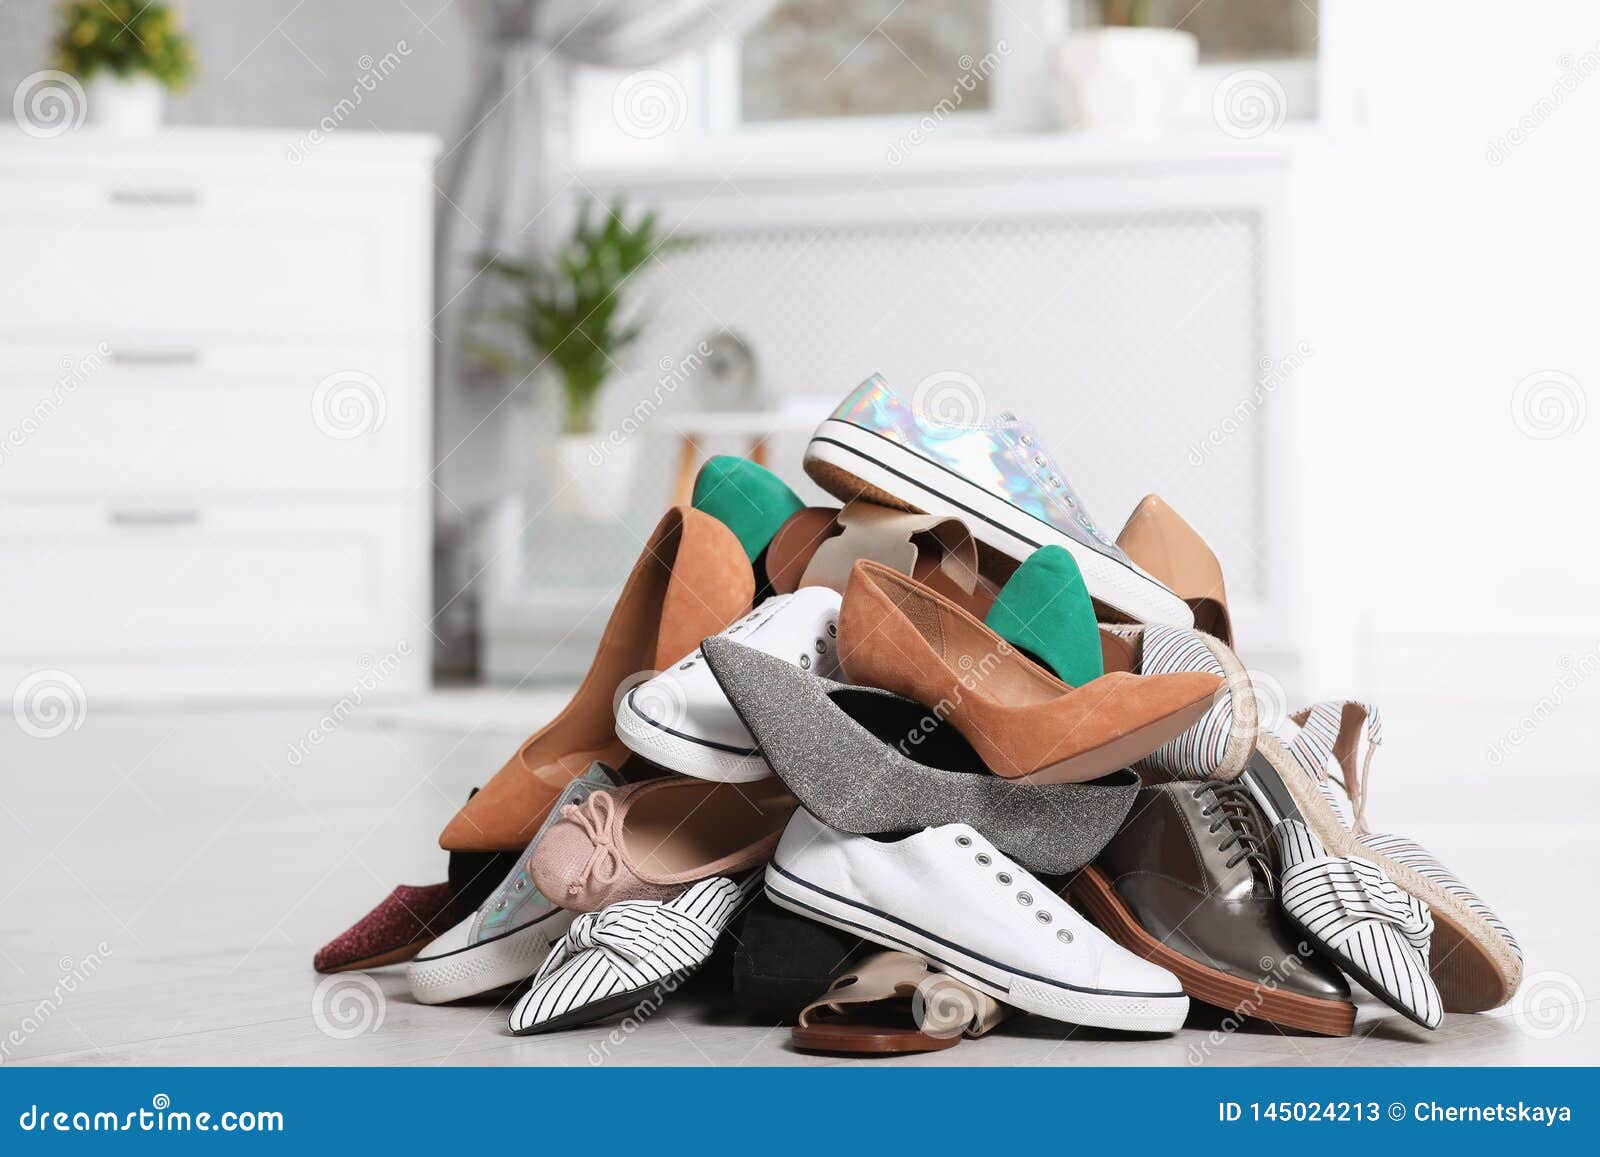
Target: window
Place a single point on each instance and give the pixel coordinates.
(837, 58)
(818, 74)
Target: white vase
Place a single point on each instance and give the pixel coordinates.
(129, 106)
(588, 476)
(1123, 80)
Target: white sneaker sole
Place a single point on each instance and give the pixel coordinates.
(1128, 1011)
(684, 754)
(481, 968)
(930, 489)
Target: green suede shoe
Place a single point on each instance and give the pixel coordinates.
(1044, 609)
(748, 499)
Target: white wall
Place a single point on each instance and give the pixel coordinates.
(1446, 263)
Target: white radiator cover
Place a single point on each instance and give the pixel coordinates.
(1130, 301)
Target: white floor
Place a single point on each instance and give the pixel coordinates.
(166, 875)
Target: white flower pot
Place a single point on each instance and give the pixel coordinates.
(588, 476)
(1123, 80)
(126, 106)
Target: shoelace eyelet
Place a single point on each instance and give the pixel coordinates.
(963, 841)
(1064, 936)
(1025, 899)
(1003, 878)
(1042, 916)
(833, 630)
(983, 859)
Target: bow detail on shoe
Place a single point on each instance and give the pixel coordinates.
(633, 943)
(629, 933)
(595, 815)
(1354, 912)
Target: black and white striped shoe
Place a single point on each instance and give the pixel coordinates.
(1347, 907)
(1474, 959)
(631, 955)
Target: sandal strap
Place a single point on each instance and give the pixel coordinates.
(889, 536)
(1343, 734)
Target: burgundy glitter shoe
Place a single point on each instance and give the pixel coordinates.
(396, 930)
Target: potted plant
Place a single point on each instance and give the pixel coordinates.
(1123, 76)
(128, 54)
(566, 316)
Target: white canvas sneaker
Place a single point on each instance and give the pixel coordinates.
(511, 932)
(682, 721)
(949, 896)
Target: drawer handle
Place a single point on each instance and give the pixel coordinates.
(187, 517)
(155, 198)
(155, 357)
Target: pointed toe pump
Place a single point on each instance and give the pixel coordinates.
(1024, 723)
(692, 580)
(1160, 542)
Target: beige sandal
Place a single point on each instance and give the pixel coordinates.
(892, 1003)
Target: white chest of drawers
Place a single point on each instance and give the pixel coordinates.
(215, 404)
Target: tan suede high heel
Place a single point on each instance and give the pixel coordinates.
(692, 580)
(1166, 546)
(1024, 723)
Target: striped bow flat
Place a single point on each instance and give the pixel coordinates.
(632, 955)
(1475, 960)
(1337, 894)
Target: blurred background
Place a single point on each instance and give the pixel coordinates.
(280, 446)
(1314, 272)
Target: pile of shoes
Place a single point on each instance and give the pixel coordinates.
(940, 755)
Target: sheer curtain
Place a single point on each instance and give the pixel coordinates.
(503, 174)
